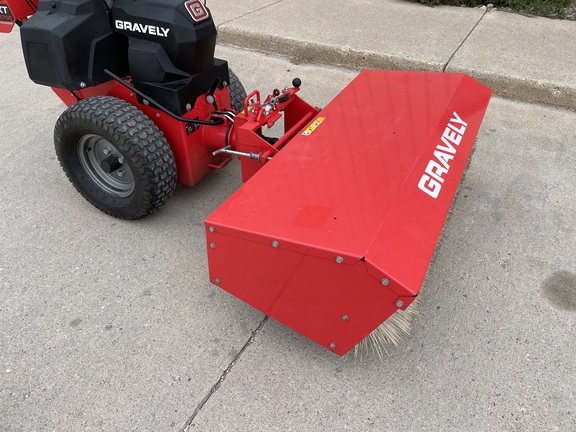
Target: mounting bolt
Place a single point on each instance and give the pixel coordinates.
(121, 173)
(121, 160)
(209, 99)
(332, 345)
(345, 317)
(275, 244)
(217, 280)
(188, 107)
(145, 102)
(339, 259)
(107, 150)
(213, 245)
(385, 282)
(399, 303)
(225, 83)
(212, 229)
(82, 84)
(157, 115)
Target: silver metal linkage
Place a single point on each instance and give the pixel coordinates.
(226, 150)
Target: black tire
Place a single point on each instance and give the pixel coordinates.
(237, 93)
(115, 156)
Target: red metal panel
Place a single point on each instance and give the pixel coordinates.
(417, 214)
(309, 294)
(351, 187)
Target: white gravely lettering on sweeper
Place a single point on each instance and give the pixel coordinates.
(433, 177)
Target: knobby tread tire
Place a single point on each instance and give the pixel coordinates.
(237, 92)
(139, 141)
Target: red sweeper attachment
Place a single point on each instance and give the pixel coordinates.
(336, 232)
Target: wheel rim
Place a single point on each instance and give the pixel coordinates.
(92, 150)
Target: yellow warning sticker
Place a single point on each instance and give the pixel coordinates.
(313, 126)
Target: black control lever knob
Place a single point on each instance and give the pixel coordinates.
(296, 82)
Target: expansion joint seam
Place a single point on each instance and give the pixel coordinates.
(218, 383)
(250, 13)
(463, 41)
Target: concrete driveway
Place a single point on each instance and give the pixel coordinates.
(108, 325)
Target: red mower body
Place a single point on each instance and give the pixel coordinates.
(192, 153)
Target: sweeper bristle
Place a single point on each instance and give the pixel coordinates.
(389, 333)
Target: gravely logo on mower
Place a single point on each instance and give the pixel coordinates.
(197, 10)
(141, 28)
(431, 181)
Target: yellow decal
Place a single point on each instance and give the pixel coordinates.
(313, 126)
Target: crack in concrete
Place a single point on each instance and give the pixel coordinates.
(464, 40)
(216, 386)
(249, 13)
